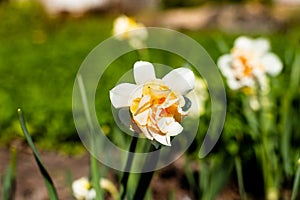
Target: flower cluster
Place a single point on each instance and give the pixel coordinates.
(248, 63)
(126, 28)
(157, 106)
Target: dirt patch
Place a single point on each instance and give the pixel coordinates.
(232, 18)
(30, 184)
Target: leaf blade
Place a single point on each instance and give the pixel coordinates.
(47, 179)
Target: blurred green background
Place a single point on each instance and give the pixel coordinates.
(40, 55)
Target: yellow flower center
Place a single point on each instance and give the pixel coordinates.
(247, 71)
(87, 185)
(161, 102)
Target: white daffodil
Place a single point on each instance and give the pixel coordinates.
(248, 63)
(82, 189)
(156, 105)
(126, 28)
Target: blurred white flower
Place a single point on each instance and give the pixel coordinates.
(156, 105)
(198, 98)
(248, 63)
(126, 28)
(82, 189)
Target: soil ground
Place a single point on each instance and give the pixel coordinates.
(30, 184)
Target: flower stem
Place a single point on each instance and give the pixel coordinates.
(125, 177)
(238, 167)
(296, 184)
(145, 178)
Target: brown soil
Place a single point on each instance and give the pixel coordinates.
(30, 184)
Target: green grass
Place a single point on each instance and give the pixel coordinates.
(39, 58)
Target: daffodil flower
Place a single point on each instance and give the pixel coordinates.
(82, 189)
(126, 28)
(156, 105)
(248, 63)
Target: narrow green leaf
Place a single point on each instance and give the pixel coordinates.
(191, 178)
(295, 73)
(145, 178)
(95, 172)
(126, 173)
(239, 172)
(69, 180)
(221, 44)
(286, 108)
(296, 184)
(95, 175)
(48, 181)
(9, 179)
(215, 175)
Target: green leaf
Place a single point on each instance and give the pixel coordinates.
(286, 111)
(239, 172)
(296, 184)
(9, 179)
(48, 181)
(213, 175)
(95, 172)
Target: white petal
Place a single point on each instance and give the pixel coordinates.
(168, 102)
(272, 64)
(243, 42)
(181, 80)
(224, 63)
(261, 46)
(174, 129)
(91, 194)
(143, 72)
(120, 95)
(247, 81)
(137, 93)
(258, 46)
(163, 139)
(263, 82)
(169, 126)
(146, 132)
(142, 113)
(142, 117)
(233, 84)
(163, 123)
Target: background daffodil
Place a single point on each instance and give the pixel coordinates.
(82, 189)
(126, 28)
(248, 63)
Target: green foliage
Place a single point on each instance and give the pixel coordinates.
(47, 179)
(9, 178)
(39, 58)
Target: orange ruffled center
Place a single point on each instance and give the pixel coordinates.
(156, 102)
